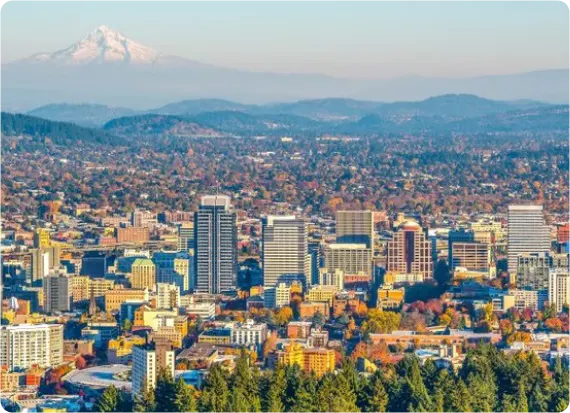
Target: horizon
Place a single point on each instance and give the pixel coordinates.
(493, 47)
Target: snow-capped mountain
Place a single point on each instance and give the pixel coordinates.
(102, 45)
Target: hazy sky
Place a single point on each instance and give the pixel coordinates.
(360, 40)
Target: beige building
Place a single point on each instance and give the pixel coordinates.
(143, 274)
(114, 298)
(167, 296)
(558, 288)
(335, 277)
(473, 256)
(83, 288)
(25, 345)
(132, 235)
(351, 259)
(322, 293)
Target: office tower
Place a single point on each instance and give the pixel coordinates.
(143, 274)
(42, 260)
(473, 256)
(285, 250)
(174, 267)
(355, 227)
(528, 233)
(351, 259)
(316, 253)
(185, 236)
(558, 282)
(94, 264)
(409, 252)
(215, 236)
(562, 231)
(460, 235)
(533, 271)
(132, 235)
(58, 291)
(25, 345)
(146, 367)
(115, 298)
(167, 296)
(84, 288)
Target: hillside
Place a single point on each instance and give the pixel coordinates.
(159, 125)
(59, 133)
(83, 114)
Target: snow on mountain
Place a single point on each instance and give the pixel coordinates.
(102, 45)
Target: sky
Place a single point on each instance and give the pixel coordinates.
(356, 40)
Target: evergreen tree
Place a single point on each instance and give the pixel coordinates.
(165, 393)
(305, 396)
(185, 399)
(522, 402)
(215, 394)
(377, 395)
(108, 401)
(438, 401)
(460, 398)
(415, 392)
(484, 393)
(145, 402)
(273, 396)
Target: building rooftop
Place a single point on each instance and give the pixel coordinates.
(101, 377)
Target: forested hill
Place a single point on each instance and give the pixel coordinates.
(59, 133)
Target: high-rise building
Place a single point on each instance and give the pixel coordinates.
(143, 274)
(331, 277)
(58, 291)
(533, 271)
(409, 252)
(278, 296)
(215, 236)
(143, 218)
(94, 264)
(355, 227)
(83, 288)
(115, 298)
(42, 238)
(133, 235)
(285, 250)
(351, 259)
(460, 235)
(558, 292)
(42, 260)
(146, 367)
(473, 256)
(528, 233)
(25, 345)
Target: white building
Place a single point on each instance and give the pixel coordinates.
(528, 233)
(204, 309)
(167, 296)
(58, 291)
(558, 288)
(25, 345)
(145, 367)
(333, 277)
(249, 333)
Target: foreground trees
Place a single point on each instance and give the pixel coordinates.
(488, 380)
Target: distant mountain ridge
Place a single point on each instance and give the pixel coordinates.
(331, 110)
(107, 67)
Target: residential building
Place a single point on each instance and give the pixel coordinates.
(409, 252)
(143, 274)
(528, 233)
(390, 298)
(145, 219)
(83, 288)
(299, 329)
(186, 236)
(25, 345)
(474, 256)
(355, 227)
(322, 293)
(525, 298)
(533, 270)
(318, 361)
(167, 296)
(215, 236)
(206, 310)
(558, 283)
(349, 258)
(285, 250)
(174, 267)
(146, 367)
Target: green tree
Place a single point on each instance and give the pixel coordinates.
(127, 325)
(415, 392)
(108, 401)
(273, 396)
(441, 273)
(460, 398)
(377, 395)
(305, 395)
(145, 401)
(165, 392)
(185, 399)
(215, 394)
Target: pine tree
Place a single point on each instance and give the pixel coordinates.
(108, 401)
(273, 396)
(305, 396)
(185, 400)
(484, 393)
(215, 394)
(377, 395)
(438, 401)
(415, 392)
(165, 392)
(145, 402)
(460, 398)
(522, 403)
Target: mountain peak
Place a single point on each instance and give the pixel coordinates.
(102, 45)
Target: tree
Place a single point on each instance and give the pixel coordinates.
(127, 325)
(165, 392)
(460, 398)
(80, 363)
(283, 315)
(414, 390)
(108, 401)
(185, 399)
(145, 401)
(318, 320)
(305, 395)
(215, 394)
(441, 273)
(381, 321)
(377, 395)
(273, 397)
